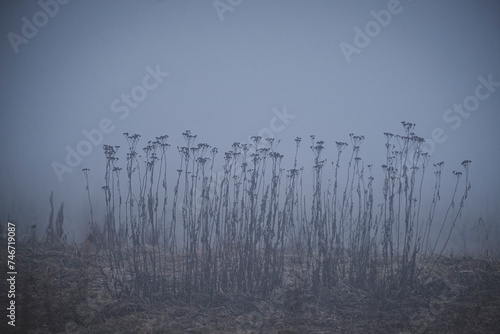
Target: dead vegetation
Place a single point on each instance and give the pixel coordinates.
(63, 291)
(248, 250)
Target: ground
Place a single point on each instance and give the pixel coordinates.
(61, 290)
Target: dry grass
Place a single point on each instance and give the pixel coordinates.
(246, 251)
(64, 292)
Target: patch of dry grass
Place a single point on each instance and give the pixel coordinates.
(64, 292)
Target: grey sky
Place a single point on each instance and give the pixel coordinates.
(230, 78)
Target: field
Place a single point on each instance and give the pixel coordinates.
(249, 250)
(62, 291)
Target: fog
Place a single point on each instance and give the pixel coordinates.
(78, 74)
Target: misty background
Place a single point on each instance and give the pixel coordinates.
(239, 68)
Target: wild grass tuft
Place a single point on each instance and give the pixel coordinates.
(252, 226)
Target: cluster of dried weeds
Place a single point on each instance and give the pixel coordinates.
(231, 231)
(250, 232)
